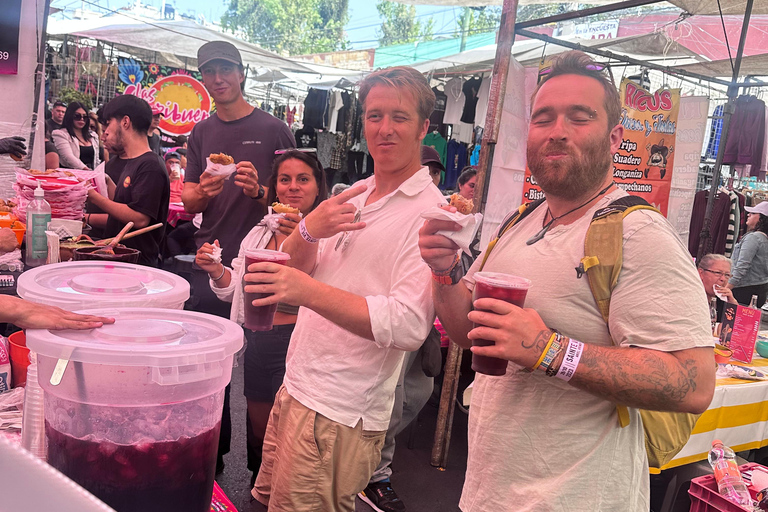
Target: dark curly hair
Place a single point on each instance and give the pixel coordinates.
(317, 171)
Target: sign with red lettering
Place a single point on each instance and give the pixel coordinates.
(740, 326)
(179, 93)
(643, 163)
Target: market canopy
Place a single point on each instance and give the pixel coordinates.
(182, 36)
(655, 47)
(755, 65)
(690, 6)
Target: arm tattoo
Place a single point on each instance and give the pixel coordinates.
(539, 342)
(640, 378)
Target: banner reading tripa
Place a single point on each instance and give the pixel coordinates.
(643, 164)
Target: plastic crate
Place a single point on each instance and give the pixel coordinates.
(705, 498)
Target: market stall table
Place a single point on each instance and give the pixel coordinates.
(738, 416)
(177, 213)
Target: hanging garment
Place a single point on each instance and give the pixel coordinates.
(306, 137)
(314, 108)
(437, 141)
(474, 159)
(730, 236)
(719, 226)
(457, 159)
(470, 89)
(746, 135)
(482, 102)
(454, 102)
(436, 119)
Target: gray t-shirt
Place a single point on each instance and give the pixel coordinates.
(254, 138)
(537, 443)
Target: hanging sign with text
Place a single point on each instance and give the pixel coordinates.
(10, 20)
(180, 94)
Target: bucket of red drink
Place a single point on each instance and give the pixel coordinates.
(508, 288)
(260, 318)
(135, 418)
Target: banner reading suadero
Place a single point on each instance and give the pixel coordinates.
(643, 164)
(180, 94)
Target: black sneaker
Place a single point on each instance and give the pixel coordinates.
(382, 498)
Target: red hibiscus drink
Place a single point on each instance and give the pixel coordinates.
(260, 318)
(504, 287)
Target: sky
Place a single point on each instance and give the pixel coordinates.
(361, 29)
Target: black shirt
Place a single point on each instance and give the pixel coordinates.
(143, 186)
(86, 155)
(471, 87)
(51, 125)
(154, 144)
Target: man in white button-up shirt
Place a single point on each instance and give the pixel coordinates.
(356, 271)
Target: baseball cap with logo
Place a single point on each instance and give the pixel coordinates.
(220, 50)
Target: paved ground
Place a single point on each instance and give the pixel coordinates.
(422, 487)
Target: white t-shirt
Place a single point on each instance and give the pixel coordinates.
(537, 443)
(454, 103)
(346, 377)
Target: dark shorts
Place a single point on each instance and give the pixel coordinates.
(265, 362)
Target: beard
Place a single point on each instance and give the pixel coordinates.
(572, 177)
(117, 145)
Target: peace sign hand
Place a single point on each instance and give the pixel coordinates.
(335, 215)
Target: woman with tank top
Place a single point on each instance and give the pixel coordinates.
(297, 180)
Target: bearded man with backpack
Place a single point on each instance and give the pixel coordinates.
(604, 336)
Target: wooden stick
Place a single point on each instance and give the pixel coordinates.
(134, 233)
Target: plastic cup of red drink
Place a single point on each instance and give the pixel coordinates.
(508, 288)
(260, 318)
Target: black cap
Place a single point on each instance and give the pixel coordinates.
(218, 50)
(429, 155)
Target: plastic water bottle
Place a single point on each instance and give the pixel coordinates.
(38, 217)
(729, 482)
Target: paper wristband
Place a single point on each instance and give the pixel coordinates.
(305, 234)
(571, 360)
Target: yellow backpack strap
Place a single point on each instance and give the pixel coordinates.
(522, 211)
(603, 258)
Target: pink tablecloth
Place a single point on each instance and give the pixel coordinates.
(176, 213)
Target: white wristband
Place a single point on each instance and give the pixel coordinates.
(571, 360)
(305, 234)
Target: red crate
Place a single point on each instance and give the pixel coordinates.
(705, 498)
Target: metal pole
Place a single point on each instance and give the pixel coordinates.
(490, 135)
(39, 77)
(705, 239)
(583, 13)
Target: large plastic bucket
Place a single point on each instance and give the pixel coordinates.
(135, 418)
(75, 285)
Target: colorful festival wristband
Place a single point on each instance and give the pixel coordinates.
(571, 360)
(544, 352)
(305, 234)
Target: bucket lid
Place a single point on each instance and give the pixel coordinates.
(143, 337)
(82, 284)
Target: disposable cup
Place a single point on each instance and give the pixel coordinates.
(260, 318)
(508, 288)
(19, 354)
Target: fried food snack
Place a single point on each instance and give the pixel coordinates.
(221, 158)
(283, 208)
(16, 157)
(462, 204)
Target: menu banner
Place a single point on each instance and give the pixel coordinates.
(179, 93)
(643, 164)
(740, 326)
(10, 20)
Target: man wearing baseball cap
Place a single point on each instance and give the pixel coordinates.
(153, 135)
(233, 206)
(431, 159)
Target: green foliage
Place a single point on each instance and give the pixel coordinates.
(68, 95)
(399, 24)
(480, 20)
(293, 26)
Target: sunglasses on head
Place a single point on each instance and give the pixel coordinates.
(595, 66)
(312, 151)
(80, 117)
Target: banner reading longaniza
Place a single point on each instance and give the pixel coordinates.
(643, 163)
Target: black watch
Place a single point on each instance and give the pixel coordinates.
(261, 193)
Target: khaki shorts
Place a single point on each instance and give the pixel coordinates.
(311, 463)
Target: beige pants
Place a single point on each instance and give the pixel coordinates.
(313, 464)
